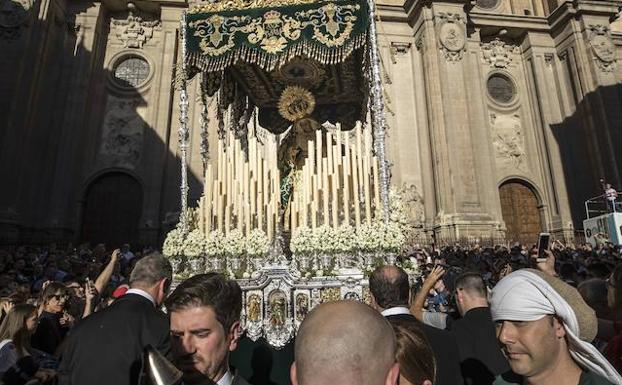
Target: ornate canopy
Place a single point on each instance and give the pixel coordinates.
(249, 52)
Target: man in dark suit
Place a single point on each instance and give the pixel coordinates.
(205, 328)
(390, 292)
(481, 358)
(108, 347)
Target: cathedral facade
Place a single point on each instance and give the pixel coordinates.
(502, 116)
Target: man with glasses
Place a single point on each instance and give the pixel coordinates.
(108, 347)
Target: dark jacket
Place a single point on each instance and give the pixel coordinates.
(108, 346)
(445, 350)
(49, 333)
(481, 358)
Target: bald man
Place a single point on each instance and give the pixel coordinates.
(345, 342)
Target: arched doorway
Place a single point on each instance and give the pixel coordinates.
(521, 213)
(112, 210)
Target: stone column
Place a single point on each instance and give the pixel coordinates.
(461, 159)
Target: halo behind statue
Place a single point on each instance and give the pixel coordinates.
(296, 103)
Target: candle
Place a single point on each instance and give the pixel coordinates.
(201, 216)
(367, 190)
(269, 219)
(318, 149)
(329, 152)
(355, 192)
(335, 210)
(316, 199)
(346, 190)
(220, 215)
(325, 190)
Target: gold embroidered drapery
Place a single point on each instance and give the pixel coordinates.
(220, 35)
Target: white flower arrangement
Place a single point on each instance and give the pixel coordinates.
(257, 243)
(214, 244)
(324, 239)
(368, 237)
(344, 239)
(173, 244)
(234, 243)
(303, 241)
(391, 237)
(193, 244)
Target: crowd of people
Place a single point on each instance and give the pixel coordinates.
(478, 315)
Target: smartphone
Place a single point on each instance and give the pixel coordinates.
(543, 244)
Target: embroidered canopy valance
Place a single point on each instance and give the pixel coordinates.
(220, 35)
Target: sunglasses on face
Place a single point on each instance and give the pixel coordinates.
(60, 297)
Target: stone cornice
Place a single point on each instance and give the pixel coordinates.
(392, 12)
(481, 19)
(572, 9)
(413, 7)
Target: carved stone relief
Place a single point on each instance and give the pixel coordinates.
(498, 53)
(414, 204)
(452, 35)
(602, 46)
(14, 16)
(122, 132)
(508, 140)
(134, 28)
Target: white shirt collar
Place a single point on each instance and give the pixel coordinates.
(227, 379)
(142, 293)
(394, 311)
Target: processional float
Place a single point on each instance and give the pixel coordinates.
(296, 203)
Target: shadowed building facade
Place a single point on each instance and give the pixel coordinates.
(502, 114)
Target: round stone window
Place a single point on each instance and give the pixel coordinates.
(131, 72)
(501, 88)
(487, 4)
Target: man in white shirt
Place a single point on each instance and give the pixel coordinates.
(205, 328)
(611, 194)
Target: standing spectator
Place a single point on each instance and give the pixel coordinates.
(545, 329)
(481, 359)
(54, 321)
(390, 294)
(345, 343)
(15, 332)
(205, 328)
(414, 354)
(108, 346)
(611, 194)
(126, 256)
(17, 359)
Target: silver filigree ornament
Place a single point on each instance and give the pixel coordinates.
(377, 110)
